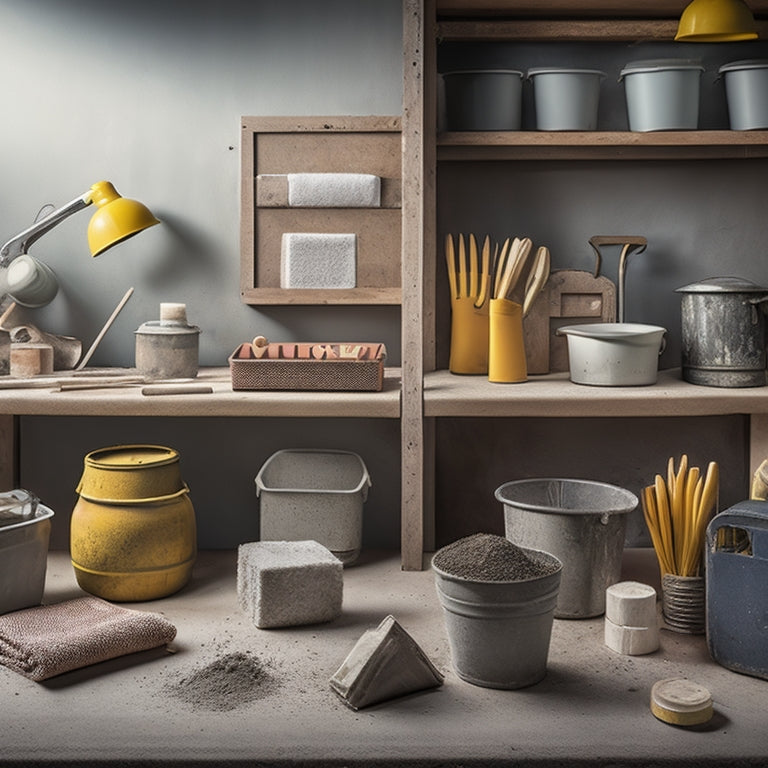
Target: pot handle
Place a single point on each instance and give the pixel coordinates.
(662, 345)
(758, 305)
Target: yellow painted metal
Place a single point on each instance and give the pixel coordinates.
(116, 219)
(127, 546)
(716, 21)
(130, 472)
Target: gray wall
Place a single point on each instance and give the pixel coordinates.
(149, 96)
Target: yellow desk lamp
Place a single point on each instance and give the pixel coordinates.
(116, 219)
(716, 21)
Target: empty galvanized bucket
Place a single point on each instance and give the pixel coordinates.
(582, 523)
(723, 332)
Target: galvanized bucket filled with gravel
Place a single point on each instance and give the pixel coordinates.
(499, 601)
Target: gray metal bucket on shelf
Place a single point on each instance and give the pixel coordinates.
(499, 631)
(582, 523)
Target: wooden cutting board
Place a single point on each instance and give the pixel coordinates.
(570, 297)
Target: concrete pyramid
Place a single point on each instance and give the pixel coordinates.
(386, 662)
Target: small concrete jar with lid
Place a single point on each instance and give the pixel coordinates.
(168, 348)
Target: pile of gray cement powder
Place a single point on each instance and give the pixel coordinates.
(487, 557)
(226, 683)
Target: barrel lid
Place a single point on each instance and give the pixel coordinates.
(564, 71)
(744, 64)
(660, 65)
(127, 456)
(680, 701)
(723, 285)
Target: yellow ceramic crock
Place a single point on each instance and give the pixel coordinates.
(126, 547)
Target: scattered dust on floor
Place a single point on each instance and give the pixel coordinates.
(228, 682)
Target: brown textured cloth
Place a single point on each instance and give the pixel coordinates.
(48, 640)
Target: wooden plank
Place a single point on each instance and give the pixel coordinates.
(223, 401)
(9, 470)
(555, 396)
(702, 139)
(320, 124)
(656, 9)
(418, 228)
(634, 30)
(305, 297)
(758, 441)
(603, 145)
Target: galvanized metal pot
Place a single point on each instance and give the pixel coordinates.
(723, 332)
(582, 523)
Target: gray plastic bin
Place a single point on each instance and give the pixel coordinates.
(23, 561)
(662, 94)
(483, 100)
(315, 495)
(746, 90)
(566, 99)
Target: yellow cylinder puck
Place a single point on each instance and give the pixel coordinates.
(679, 701)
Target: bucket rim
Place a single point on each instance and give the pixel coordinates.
(660, 65)
(463, 580)
(362, 486)
(631, 500)
(565, 71)
(612, 331)
(483, 72)
(41, 513)
(734, 66)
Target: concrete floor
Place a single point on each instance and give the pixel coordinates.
(592, 707)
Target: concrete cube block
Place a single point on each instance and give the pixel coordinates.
(287, 583)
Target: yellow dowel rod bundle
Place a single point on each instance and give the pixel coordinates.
(677, 512)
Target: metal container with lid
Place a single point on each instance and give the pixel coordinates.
(662, 94)
(168, 348)
(746, 91)
(723, 332)
(132, 531)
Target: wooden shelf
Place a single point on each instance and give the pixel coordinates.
(573, 9)
(601, 145)
(272, 148)
(223, 401)
(554, 395)
(438, 394)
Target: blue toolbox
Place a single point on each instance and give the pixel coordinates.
(737, 588)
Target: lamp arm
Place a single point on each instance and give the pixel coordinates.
(19, 244)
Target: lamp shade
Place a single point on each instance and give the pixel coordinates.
(116, 219)
(716, 21)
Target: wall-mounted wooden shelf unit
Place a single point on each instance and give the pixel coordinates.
(277, 146)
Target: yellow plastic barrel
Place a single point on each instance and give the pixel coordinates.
(132, 534)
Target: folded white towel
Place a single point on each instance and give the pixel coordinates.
(334, 190)
(317, 260)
